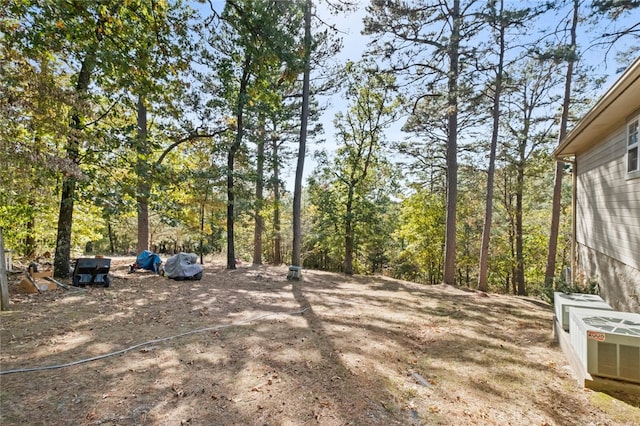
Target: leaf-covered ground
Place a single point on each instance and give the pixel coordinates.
(248, 347)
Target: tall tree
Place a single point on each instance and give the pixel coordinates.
(274, 89)
(235, 146)
(453, 52)
(500, 21)
(427, 42)
(277, 238)
(34, 106)
(258, 218)
(570, 53)
(296, 255)
(285, 135)
(281, 133)
(499, 25)
(77, 123)
(162, 51)
(361, 137)
(253, 43)
(530, 124)
(96, 41)
(143, 175)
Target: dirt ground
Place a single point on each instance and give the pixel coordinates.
(248, 347)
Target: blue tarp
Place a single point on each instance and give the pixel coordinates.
(149, 261)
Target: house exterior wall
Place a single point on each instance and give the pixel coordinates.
(617, 282)
(608, 223)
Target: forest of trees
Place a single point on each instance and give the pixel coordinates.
(173, 125)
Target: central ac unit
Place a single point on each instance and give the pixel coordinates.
(564, 301)
(607, 342)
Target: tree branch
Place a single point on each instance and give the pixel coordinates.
(190, 137)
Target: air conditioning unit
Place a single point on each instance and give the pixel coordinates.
(607, 342)
(564, 301)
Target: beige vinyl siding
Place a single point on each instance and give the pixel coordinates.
(608, 204)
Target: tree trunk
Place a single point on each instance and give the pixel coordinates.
(277, 251)
(30, 240)
(231, 256)
(296, 254)
(242, 93)
(508, 205)
(112, 238)
(259, 221)
(142, 169)
(449, 275)
(348, 234)
(519, 269)
(65, 218)
(557, 187)
(202, 214)
(4, 284)
(483, 275)
(61, 262)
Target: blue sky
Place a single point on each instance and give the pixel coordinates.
(603, 60)
(354, 45)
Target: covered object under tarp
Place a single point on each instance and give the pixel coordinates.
(183, 266)
(148, 261)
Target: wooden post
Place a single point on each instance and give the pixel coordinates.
(4, 285)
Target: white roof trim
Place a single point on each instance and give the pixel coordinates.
(611, 110)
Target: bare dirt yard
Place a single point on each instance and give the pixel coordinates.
(248, 347)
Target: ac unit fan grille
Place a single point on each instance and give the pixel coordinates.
(630, 362)
(614, 325)
(608, 359)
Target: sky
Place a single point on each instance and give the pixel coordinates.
(350, 26)
(355, 44)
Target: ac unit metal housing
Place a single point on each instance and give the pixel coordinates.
(607, 342)
(564, 301)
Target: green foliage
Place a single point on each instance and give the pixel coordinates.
(358, 179)
(374, 218)
(614, 8)
(421, 237)
(469, 226)
(324, 243)
(190, 70)
(90, 56)
(564, 286)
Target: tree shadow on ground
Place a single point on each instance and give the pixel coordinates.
(350, 357)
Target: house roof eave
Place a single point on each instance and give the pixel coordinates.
(611, 110)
